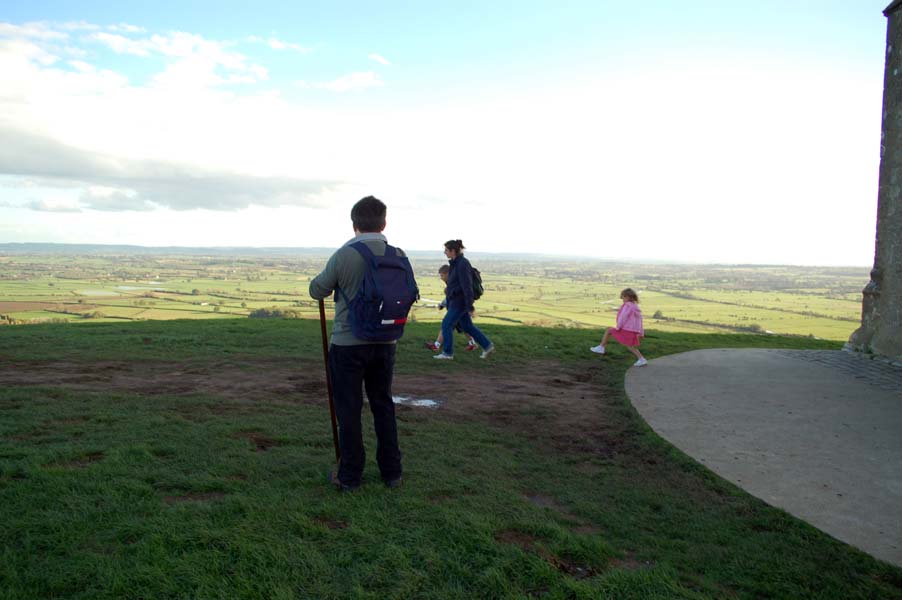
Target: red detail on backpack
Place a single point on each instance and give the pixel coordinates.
(393, 321)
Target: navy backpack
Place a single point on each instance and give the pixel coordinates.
(378, 312)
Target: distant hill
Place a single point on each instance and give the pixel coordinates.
(251, 251)
(110, 249)
(124, 249)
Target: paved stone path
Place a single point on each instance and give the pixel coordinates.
(816, 433)
(879, 372)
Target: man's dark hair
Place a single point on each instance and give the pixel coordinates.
(368, 215)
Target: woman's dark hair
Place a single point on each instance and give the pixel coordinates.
(368, 215)
(630, 295)
(455, 245)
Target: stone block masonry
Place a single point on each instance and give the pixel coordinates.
(881, 310)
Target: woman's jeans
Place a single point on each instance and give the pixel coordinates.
(458, 315)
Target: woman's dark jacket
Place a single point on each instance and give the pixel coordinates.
(459, 289)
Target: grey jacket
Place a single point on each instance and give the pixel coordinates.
(345, 270)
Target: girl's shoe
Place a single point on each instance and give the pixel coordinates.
(599, 349)
(640, 363)
(470, 347)
(430, 346)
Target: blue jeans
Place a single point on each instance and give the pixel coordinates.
(353, 368)
(458, 315)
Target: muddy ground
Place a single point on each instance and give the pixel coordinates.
(544, 401)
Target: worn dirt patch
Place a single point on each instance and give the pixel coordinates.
(578, 524)
(546, 502)
(29, 436)
(330, 523)
(550, 404)
(67, 421)
(250, 381)
(194, 497)
(82, 461)
(261, 442)
(528, 543)
(631, 563)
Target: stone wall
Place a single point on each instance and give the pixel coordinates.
(881, 310)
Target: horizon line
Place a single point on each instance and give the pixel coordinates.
(627, 260)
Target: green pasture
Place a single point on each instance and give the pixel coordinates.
(808, 301)
(818, 301)
(111, 493)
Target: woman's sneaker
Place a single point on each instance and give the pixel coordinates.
(443, 356)
(487, 351)
(640, 363)
(599, 349)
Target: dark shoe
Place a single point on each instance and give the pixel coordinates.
(393, 483)
(338, 485)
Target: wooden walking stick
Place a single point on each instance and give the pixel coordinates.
(322, 323)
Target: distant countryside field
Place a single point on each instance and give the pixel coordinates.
(88, 284)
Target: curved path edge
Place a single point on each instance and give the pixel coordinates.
(816, 433)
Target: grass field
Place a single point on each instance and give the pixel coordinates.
(186, 459)
(823, 302)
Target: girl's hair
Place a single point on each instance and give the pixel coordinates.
(630, 295)
(443, 269)
(455, 245)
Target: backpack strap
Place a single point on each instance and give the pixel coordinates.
(369, 260)
(365, 251)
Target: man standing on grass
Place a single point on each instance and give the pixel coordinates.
(355, 363)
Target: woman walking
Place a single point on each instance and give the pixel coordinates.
(459, 294)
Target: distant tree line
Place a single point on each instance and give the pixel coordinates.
(275, 313)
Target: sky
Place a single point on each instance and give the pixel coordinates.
(692, 131)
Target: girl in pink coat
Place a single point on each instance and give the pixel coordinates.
(629, 329)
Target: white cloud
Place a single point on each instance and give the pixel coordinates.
(21, 51)
(113, 199)
(41, 31)
(117, 184)
(195, 61)
(351, 82)
(57, 206)
(123, 45)
(126, 28)
(379, 59)
(79, 26)
(73, 51)
(277, 44)
(82, 66)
